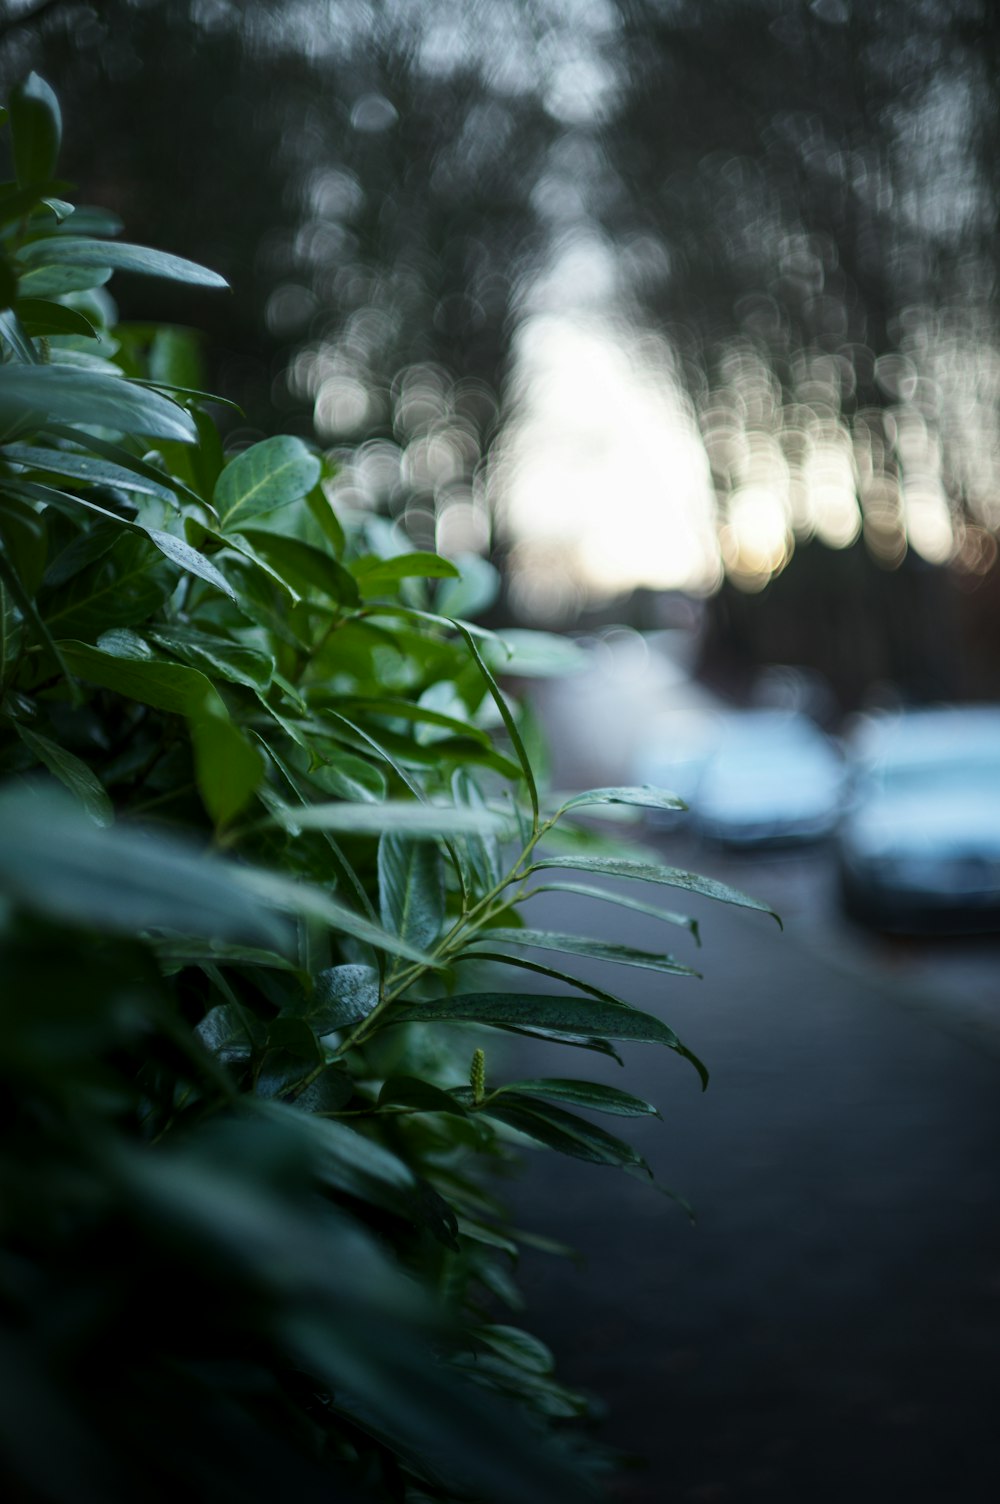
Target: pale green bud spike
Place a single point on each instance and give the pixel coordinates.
(477, 1075)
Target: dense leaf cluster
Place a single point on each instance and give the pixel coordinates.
(252, 948)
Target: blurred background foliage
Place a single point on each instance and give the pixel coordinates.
(630, 294)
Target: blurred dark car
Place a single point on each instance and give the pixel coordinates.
(919, 848)
(773, 778)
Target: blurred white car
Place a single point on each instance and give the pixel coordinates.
(774, 777)
(920, 845)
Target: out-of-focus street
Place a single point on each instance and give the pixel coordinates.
(828, 1330)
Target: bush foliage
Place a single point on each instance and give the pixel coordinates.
(267, 823)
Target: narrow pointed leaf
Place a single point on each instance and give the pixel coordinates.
(411, 889)
(36, 126)
(623, 900)
(645, 797)
(565, 1132)
(78, 250)
(412, 1091)
(557, 1015)
(405, 816)
(97, 472)
(579, 945)
(523, 964)
(71, 771)
(587, 1094)
(650, 872)
(506, 715)
(35, 396)
(41, 316)
(189, 559)
(15, 336)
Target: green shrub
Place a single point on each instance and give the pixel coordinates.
(266, 822)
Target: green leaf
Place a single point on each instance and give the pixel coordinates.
(565, 1132)
(228, 768)
(520, 1348)
(120, 455)
(167, 686)
(406, 816)
(270, 474)
(189, 559)
(506, 715)
(123, 880)
(215, 654)
(413, 1091)
(623, 900)
(375, 575)
(36, 396)
(83, 467)
(531, 655)
(406, 710)
(301, 567)
(579, 945)
(411, 889)
(123, 581)
(559, 1017)
(344, 775)
(24, 537)
(41, 316)
(650, 872)
(55, 281)
(312, 902)
(36, 127)
(71, 771)
(231, 1032)
(572, 1015)
(29, 610)
(645, 797)
(342, 996)
(74, 250)
(586, 1094)
(16, 337)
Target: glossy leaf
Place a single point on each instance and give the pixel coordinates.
(17, 339)
(645, 797)
(74, 250)
(84, 467)
(228, 767)
(123, 880)
(216, 654)
(71, 771)
(411, 889)
(506, 716)
(189, 559)
(579, 945)
(302, 567)
(32, 397)
(557, 1015)
(36, 126)
(341, 996)
(266, 476)
(375, 575)
(417, 821)
(565, 1132)
(42, 316)
(622, 900)
(586, 1094)
(651, 872)
(414, 1092)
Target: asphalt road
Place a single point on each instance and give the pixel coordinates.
(828, 1329)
